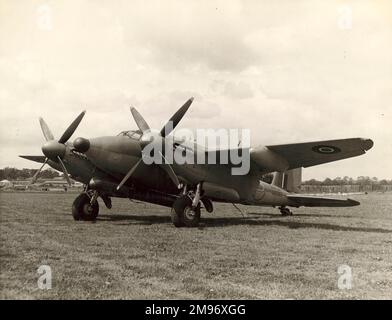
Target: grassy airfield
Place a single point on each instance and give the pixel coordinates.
(134, 252)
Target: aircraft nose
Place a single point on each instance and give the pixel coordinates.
(52, 149)
(81, 144)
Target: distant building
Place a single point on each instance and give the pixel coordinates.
(56, 184)
(6, 184)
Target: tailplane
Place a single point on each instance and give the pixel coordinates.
(311, 201)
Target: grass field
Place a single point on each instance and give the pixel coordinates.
(133, 251)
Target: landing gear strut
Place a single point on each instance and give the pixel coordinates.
(86, 207)
(186, 209)
(285, 211)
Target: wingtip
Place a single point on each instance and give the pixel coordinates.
(367, 143)
(353, 202)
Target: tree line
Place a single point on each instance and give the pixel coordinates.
(21, 174)
(339, 181)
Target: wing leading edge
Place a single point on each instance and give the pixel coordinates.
(39, 159)
(296, 155)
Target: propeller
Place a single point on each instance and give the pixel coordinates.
(55, 150)
(157, 138)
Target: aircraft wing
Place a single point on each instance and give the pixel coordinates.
(309, 154)
(40, 159)
(310, 201)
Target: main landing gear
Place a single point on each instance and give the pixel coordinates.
(186, 209)
(285, 211)
(86, 207)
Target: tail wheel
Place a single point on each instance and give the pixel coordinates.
(286, 212)
(82, 209)
(183, 214)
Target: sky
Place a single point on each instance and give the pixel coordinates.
(290, 71)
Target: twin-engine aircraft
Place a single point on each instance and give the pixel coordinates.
(114, 166)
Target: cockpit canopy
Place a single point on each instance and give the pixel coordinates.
(132, 134)
(137, 134)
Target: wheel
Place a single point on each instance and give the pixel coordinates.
(176, 219)
(83, 210)
(178, 211)
(107, 201)
(183, 214)
(286, 212)
(207, 204)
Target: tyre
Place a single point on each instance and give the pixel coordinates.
(183, 214)
(286, 212)
(207, 204)
(176, 219)
(83, 210)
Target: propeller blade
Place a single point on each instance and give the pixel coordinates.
(45, 130)
(176, 118)
(71, 129)
(64, 171)
(169, 170)
(38, 172)
(130, 172)
(141, 123)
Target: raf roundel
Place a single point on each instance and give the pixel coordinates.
(326, 149)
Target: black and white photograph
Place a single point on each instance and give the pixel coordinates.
(198, 151)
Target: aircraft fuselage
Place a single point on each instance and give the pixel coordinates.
(109, 159)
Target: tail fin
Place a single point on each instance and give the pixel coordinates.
(289, 180)
(277, 179)
(293, 180)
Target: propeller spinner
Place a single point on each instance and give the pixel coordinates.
(55, 150)
(157, 138)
